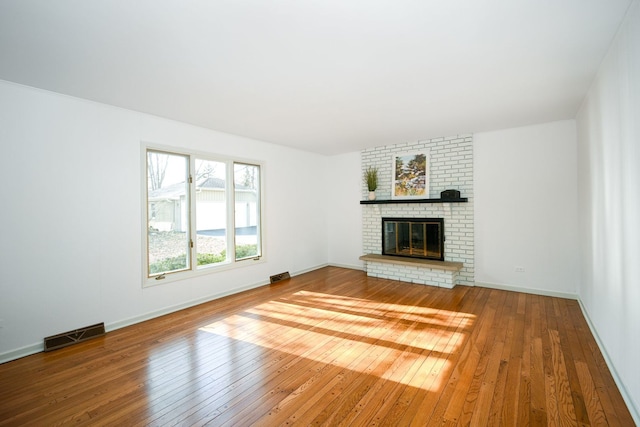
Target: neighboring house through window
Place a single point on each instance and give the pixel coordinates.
(201, 213)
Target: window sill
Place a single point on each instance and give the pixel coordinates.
(149, 282)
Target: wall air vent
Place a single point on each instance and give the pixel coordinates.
(279, 277)
(65, 339)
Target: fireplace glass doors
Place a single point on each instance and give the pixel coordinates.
(413, 237)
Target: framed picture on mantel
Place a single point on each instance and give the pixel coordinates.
(410, 178)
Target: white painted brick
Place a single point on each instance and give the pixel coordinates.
(451, 163)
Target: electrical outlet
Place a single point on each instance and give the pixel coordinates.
(519, 269)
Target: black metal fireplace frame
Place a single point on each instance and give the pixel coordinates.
(440, 221)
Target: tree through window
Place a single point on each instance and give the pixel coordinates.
(200, 212)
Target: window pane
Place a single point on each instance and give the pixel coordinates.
(247, 210)
(168, 212)
(211, 212)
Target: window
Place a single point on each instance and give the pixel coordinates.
(247, 213)
(201, 213)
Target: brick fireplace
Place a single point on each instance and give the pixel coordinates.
(450, 167)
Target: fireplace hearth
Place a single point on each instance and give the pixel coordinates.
(413, 237)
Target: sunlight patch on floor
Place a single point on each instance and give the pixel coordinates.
(342, 331)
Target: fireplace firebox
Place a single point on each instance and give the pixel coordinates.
(413, 237)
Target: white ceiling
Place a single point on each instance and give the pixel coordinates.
(328, 76)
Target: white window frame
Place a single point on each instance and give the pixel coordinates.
(194, 271)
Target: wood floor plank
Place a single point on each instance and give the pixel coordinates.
(485, 377)
(524, 396)
(458, 359)
(513, 357)
(571, 354)
(476, 344)
(492, 310)
(417, 403)
(406, 334)
(323, 349)
(387, 388)
(562, 389)
(539, 380)
(496, 414)
(330, 347)
(279, 363)
(376, 329)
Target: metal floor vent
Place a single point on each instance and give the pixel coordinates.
(278, 277)
(65, 339)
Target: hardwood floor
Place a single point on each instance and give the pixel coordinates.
(331, 347)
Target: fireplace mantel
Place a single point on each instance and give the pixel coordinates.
(395, 201)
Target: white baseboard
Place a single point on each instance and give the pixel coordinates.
(635, 412)
(22, 352)
(349, 266)
(308, 270)
(112, 326)
(151, 315)
(172, 309)
(533, 291)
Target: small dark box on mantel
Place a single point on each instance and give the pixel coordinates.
(449, 194)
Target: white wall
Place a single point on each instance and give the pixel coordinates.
(345, 213)
(523, 177)
(609, 201)
(70, 174)
(526, 208)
